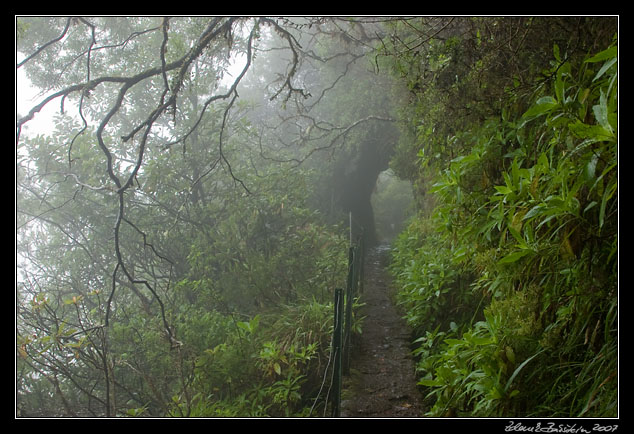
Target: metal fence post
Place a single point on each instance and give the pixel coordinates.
(336, 349)
(342, 335)
(348, 320)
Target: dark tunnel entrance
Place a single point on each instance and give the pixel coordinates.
(356, 200)
(364, 187)
(378, 202)
(354, 181)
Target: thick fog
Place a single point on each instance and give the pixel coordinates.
(190, 191)
(167, 166)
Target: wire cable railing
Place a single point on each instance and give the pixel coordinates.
(341, 341)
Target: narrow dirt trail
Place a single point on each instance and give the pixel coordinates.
(381, 381)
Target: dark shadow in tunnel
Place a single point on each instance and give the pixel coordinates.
(354, 182)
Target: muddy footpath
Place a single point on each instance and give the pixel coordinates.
(382, 381)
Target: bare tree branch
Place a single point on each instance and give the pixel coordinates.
(43, 47)
(217, 29)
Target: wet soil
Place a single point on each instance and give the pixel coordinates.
(382, 381)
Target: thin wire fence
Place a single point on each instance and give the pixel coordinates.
(342, 337)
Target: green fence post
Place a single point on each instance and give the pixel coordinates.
(336, 349)
(348, 320)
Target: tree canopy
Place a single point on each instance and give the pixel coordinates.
(173, 217)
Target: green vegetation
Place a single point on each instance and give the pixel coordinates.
(212, 296)
(248, 302)
(510, 277)
(181, 227)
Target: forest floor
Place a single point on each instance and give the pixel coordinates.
(382, 381)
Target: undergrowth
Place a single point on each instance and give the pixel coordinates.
(511, 282)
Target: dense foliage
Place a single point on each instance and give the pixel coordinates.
(212, 296)
(179, 229)
(509, 276)
(247, 297)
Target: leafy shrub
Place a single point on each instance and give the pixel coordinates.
(283, 350)
(516, 270)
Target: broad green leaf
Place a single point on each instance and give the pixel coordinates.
(604, 55)
(454, 342)
(514, 257)
(482, 340)
(517, 236)
(546, 101)
(560, 82)
(243, 326)
(542, 106)
(430, 383)
(503, 189)
(593, 133)
(466, 158)
(556, 52)
(604, 68)
(536, 210)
